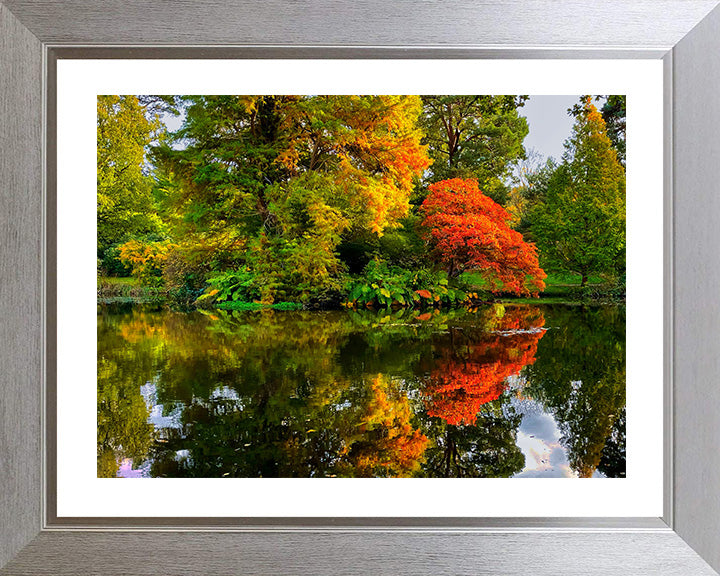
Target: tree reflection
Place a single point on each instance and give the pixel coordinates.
(267, 436)
(123, 431)
(580, 377)
(261, 395)
(472, 421)
(312, 394)
(612, 462)
(385, 442)
(485, 450)
(474, 368)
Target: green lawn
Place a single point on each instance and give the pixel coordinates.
(569, 279)
(112, 281)
(559, 286)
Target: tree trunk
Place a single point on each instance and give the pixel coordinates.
(584, 280)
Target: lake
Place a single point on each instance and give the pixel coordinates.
(496, 391)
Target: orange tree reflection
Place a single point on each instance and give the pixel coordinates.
(474, 369)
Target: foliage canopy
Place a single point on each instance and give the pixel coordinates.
(478, 137)
(275, 182)
(469, 231)
(124, 201)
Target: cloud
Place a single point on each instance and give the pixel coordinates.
(538, 438)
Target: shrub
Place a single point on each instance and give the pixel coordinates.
(184, 280)
(110, 265)
(231, 286)
(385, 286)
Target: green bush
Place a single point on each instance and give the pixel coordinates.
(386, 286)
(109, 263)
(231, 286)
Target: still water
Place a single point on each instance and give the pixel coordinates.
(498, 391)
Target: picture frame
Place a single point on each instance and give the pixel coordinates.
(683, 33)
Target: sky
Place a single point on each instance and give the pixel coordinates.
(550, 124)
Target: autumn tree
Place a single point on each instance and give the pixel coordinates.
(581, 225)
(613, 111)
(478, 137)
(273, 183)
(124, 198)
(469, 231)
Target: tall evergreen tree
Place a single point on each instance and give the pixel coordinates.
(581, 225)
(613, 111)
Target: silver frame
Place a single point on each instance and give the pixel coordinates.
(33, 540)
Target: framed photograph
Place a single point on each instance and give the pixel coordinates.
(311, 308)
(328, 323)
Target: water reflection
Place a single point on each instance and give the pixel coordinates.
(363, 394)
(471, 368)
(581, 381)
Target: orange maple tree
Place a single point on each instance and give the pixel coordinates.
(461, 383)
(469, 231)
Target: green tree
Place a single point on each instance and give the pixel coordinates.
(274, 183)
(476, 137)
(530, 184)
(613, 112)
(581, 225)
(125, 205)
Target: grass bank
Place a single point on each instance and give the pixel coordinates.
(560, 288)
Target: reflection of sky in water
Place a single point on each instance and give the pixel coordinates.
(126, 469)
(157, 418)
(162, 422)
(225, 393)
(539, 439)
